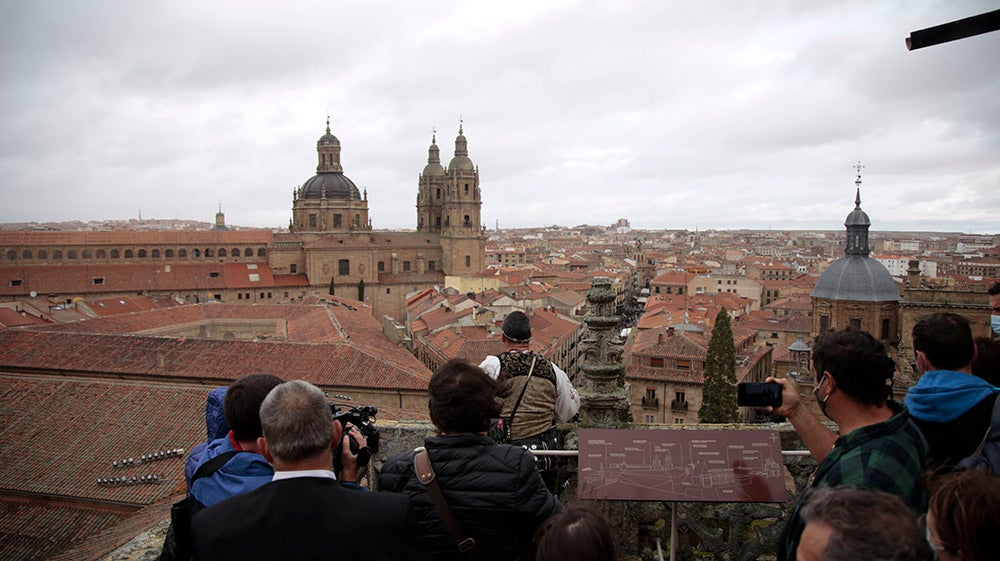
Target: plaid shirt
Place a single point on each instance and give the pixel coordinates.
(886, 456)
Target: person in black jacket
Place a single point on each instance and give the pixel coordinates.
(493, 490)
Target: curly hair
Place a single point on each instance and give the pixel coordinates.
(858, 362)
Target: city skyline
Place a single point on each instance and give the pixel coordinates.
(678, 116)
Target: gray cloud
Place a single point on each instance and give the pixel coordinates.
(678, 114)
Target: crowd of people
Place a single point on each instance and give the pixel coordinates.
(905, 481)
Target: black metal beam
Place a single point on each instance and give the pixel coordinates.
(960, 29)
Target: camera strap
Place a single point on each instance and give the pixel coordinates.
(426, 476)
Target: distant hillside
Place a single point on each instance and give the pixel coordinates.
(113, 225)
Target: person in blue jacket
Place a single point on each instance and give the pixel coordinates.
(951, 406)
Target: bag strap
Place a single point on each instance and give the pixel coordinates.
(524, 388)
(213, 465)
(427, 478)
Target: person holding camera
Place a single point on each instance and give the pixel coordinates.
(475, 499)
(303, 513)
(879, 446)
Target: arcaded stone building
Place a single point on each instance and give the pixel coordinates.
(330, 242)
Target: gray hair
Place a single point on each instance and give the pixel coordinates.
(296, 421)
(867, 524)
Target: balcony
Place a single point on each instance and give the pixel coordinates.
(679, 406)
(650, 403)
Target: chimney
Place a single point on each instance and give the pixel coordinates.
(670, 331)
(659, 339)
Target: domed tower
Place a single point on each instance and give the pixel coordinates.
(430, 194)
(462, 237)
(329, 201)
(857, 291)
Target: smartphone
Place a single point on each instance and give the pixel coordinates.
(758, 394)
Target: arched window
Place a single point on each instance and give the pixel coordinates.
(128, 254)
(168, 253)
(26, 254)
(182, 253)
(101, 254)
(142, 254)
(248, 252)
(42, 254)
(155, 254)
(222, 252)
(57, 254)
(12, 255)
(261, 252)
(195, 252)
(87, 254)
(235, 252)
(71, 254)
(209, 252)
(115, 254)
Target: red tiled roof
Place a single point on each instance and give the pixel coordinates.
(11, 318)
(211, 361)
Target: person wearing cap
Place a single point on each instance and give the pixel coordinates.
(548, 395)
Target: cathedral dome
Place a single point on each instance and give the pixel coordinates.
(327, 138)
(337, 186)
(857, 278)
(461, 163)
(434, 170)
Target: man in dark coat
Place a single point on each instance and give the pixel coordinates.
(494, 491)
(303, 513)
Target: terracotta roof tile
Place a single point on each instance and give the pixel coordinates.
(157, 238)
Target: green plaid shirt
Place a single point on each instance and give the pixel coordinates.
(885, 456)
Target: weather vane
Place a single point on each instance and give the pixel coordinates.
(858, 167)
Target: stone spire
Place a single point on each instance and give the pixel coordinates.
(604, 400)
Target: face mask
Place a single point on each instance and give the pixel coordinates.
(822, 401)
(995, 324)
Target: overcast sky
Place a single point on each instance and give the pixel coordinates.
(671, 114)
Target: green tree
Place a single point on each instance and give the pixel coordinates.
(361, 290)
(718, 392)
(331, 285)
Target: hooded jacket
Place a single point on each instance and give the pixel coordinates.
(953, 410)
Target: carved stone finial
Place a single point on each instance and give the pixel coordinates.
(604, 399)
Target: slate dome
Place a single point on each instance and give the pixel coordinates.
(338, 186)
(857, 278)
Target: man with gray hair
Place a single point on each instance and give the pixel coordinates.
(849, 524)
(303, 513)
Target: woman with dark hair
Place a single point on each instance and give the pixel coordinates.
(963, 520)
(494, 491)
(577, 533)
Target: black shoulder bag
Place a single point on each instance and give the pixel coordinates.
(177, 545)
(425, 475)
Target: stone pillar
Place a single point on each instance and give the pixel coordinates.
(604, 399)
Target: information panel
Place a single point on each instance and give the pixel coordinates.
(681, 465)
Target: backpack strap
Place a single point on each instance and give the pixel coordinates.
(427, 478)
(213, 465)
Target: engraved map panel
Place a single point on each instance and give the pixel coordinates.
(681, 465)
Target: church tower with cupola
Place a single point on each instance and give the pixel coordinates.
(329, 202)
(856, 290)
(463, 239)
(431, 192)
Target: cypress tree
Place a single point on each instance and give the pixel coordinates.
(331, 285)
(718, 392)
(361, 290)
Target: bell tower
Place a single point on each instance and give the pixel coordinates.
(462, 236)
(431, 191)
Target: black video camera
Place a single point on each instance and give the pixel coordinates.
(758, 394)
(362, 417)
